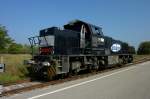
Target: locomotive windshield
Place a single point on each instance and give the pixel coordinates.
(46, 41)
(96, 30)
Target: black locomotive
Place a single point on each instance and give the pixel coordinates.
(79, 46)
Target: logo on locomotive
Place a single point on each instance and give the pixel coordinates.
(116, 47)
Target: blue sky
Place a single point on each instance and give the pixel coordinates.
(126, 20)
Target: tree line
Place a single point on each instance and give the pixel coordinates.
(144, 48)
(8, 45)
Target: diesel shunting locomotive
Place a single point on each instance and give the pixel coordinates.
(79, 46)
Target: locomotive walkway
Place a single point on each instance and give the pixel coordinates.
(125, 83)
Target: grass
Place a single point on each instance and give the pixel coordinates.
(14, 70)
(138, 57)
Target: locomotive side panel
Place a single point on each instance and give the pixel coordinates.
(67, 42)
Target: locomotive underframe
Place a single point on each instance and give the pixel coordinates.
(73, 64)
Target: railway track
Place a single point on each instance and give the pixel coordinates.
(27, 85)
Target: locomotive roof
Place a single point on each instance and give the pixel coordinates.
(79, 21)
(92, 28)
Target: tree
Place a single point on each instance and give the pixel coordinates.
(144, 48)
(26, 49)
(5, 40)
(15, 48)
(7, 45)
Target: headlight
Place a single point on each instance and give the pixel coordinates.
(45, 63)
(27, 62)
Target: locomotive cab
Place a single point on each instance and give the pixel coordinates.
(46, 42)
(91, 36)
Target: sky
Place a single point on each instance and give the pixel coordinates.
(125, 20)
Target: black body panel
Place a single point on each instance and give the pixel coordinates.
(66, 41)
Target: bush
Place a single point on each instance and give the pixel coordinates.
(144, 48)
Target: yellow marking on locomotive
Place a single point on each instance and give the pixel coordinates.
(51, 72)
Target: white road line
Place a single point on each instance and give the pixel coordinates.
(82, 83)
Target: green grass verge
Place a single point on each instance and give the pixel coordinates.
(15, 69)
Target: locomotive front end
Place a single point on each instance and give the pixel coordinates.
(42, 64)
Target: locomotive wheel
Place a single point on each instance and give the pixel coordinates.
(124, 60)
(74, 72)
(35, 72)
(31, 72)
(120, 61)
(130, 60)
(102, 64)
(96, 68)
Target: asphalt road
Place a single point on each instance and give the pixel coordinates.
(125, 83)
